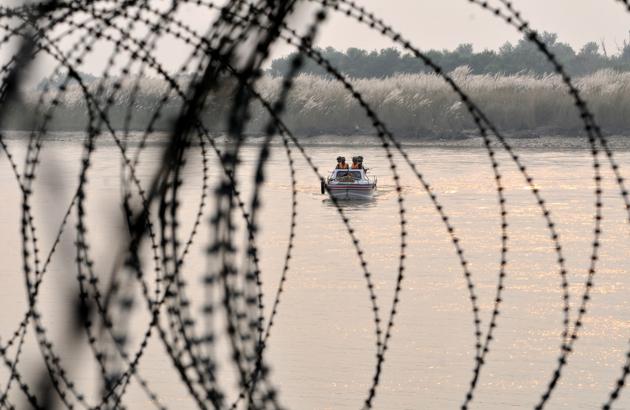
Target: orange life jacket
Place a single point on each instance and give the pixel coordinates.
(342, 166)
(356, 166)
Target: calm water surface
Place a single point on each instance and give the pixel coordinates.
(322, 347)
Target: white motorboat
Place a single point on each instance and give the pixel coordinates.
(349, 184)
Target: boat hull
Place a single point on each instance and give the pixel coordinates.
(351, 192)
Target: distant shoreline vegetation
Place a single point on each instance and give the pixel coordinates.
(522, 57)
(524, 102)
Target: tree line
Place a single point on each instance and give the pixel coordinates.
(522, 57)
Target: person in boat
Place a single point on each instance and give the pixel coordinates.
(341, 163)
(357, 162)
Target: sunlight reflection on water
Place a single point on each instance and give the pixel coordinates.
(322, 348)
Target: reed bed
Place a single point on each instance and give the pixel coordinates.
(412, 105)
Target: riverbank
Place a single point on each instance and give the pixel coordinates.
(411, 106)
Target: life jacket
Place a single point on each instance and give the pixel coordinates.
(342, 166)
(356, 166)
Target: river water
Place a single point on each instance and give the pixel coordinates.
(322, 346)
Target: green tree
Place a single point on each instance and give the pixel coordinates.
(524, 56)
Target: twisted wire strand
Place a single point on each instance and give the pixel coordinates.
(104, 314)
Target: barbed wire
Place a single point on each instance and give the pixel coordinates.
(232, 51)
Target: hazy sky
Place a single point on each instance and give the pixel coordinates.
(447, 23)
(428, 24)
